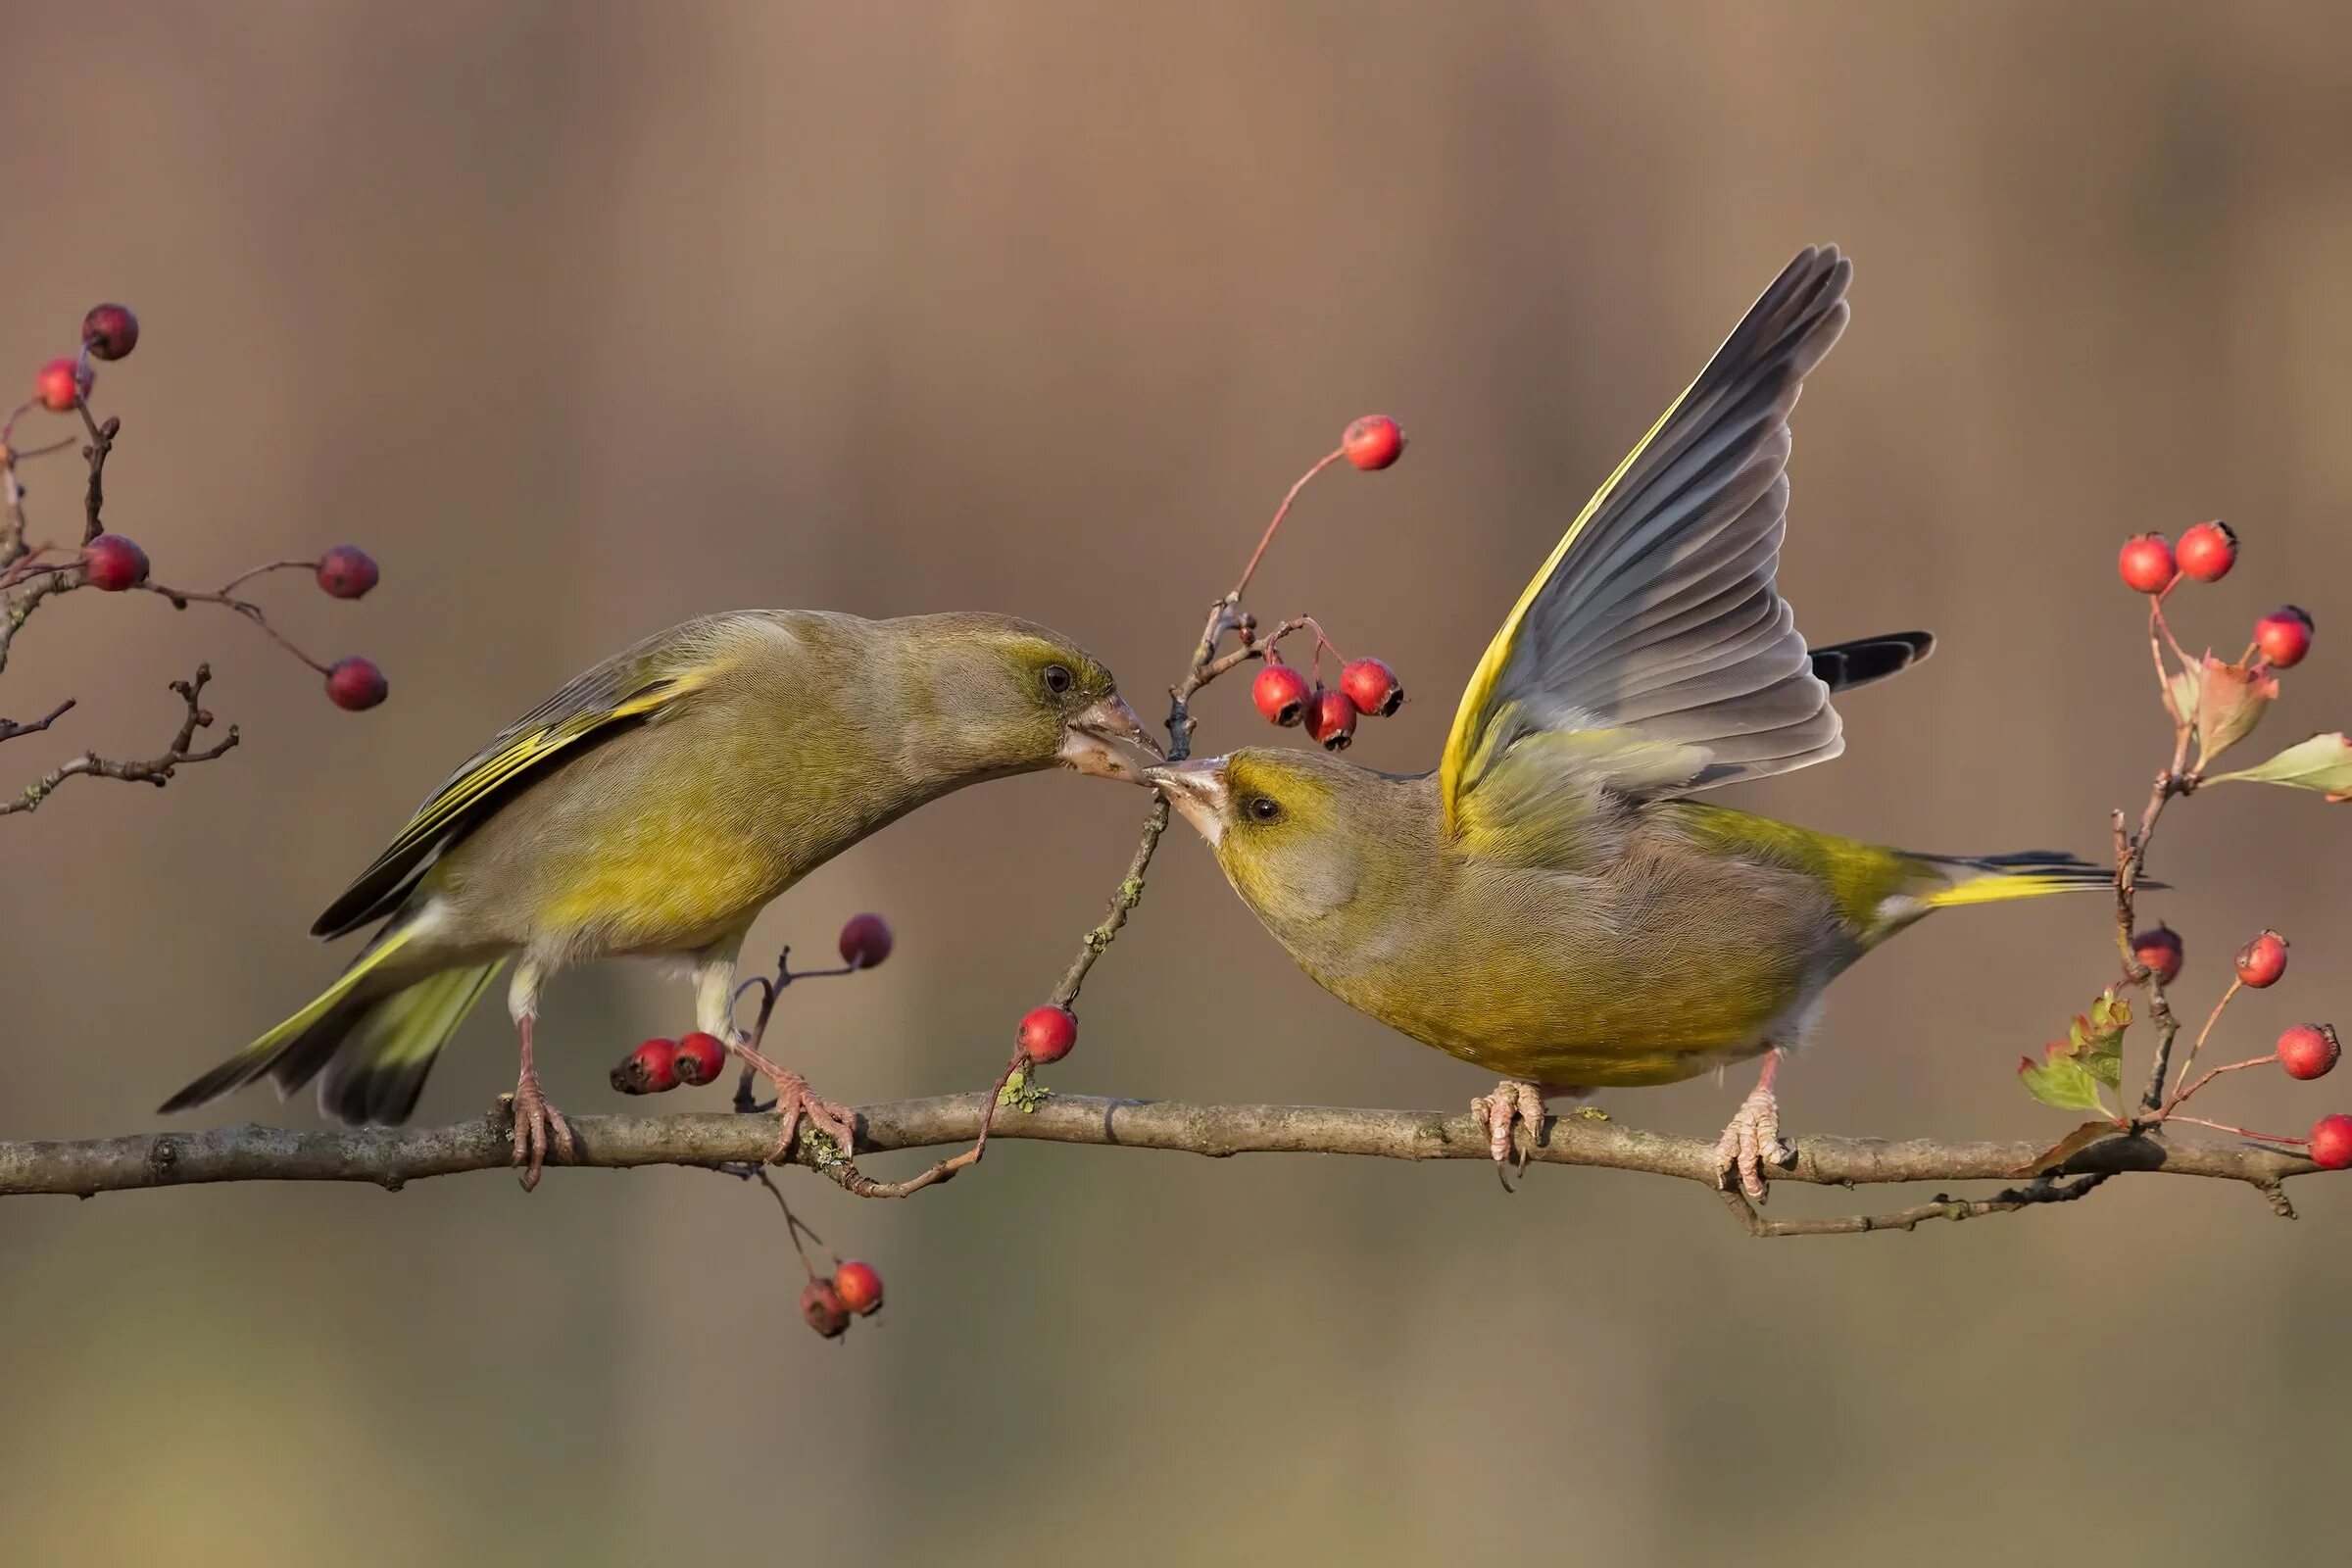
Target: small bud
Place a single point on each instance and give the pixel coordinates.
(347, 572)
(2261, 961)
(1330, 719)
(356, 683)
(2161, 950)
(1047, 1034)
(859, 1288)
(650, 1069)
(113, 564)
(2208, 551)
(700, 1058)
(866, 941)
(61, 383)
(1280, 693)
(1372, 686)
(821, 1309)
(110, 330)
(2283, 635)
(2331, 1143)
(2148, 564)
(1373, 442)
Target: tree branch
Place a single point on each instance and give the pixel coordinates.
(392, 1156)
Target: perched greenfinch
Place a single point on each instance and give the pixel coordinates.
(653, 806)
(1551, 904)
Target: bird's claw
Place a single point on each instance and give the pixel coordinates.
(796, 1099)
(1751, 1142)
(538, 1126)
(1500, 1113)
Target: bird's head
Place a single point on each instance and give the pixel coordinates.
(1288, 828)
(1015, 695)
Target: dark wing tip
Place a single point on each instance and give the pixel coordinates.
(1842, 667)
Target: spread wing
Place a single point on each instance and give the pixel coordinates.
(1652, 653)
(630, 688)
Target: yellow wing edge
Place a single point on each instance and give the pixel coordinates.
(1462, 742)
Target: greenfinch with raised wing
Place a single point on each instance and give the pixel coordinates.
(653, 806)
(1551, 904)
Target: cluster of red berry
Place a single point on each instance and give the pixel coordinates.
(2304, 1052)
(1367, 686)
(2149, 564)
(661, 1064)
(113, 564)
(829, 1299)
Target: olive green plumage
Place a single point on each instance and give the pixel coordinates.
(1549, 903)
(656, 803)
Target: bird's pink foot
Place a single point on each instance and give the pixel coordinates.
(795, 1099)
(1500, 1113)
(1752, 1141)
(538, 1127)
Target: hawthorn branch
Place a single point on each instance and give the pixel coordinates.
(390, 1157)
(155, 770)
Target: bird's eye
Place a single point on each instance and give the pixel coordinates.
(1059, 679)
(1263, 808)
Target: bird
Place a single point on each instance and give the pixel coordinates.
(1553, 903)
(653, 806)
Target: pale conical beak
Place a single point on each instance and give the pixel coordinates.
(1197, 792)
(1108, 741)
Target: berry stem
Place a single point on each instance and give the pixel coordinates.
(2211, 1074)
(2198, 1043)
(1280, 512)
(2243, 1132)
(182, 597)
(243, 577)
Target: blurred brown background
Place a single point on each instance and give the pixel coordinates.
(589, 318)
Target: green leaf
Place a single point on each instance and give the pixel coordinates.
(2182, 687)
(2072, 1069)
(2322, 762)
(2096, 1040)
(2230, 699)
(2059, 1080)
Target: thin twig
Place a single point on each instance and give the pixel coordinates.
(155, 770)
(10, 730)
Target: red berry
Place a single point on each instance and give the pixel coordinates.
(2147, 563)
(866, 941)
(113, 564)
(1372, 686)
(1373, 442)
(2308, 1049)
(347, 572)
(1280, 693)
(2331, 1143)
(2283, 635)
(2261, 961)
(110, 330)
(1331, 718)
(356, 683)
(61, 383)
(649, 1069)
(2208, 552)
(2160, 950)
(822, 1311)
(859, 1288)
(1046, 1033)
(699, 1057)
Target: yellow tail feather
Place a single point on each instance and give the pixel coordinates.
(1999, 880)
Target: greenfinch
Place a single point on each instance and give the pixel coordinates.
(1551, 904)
(653, 806)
